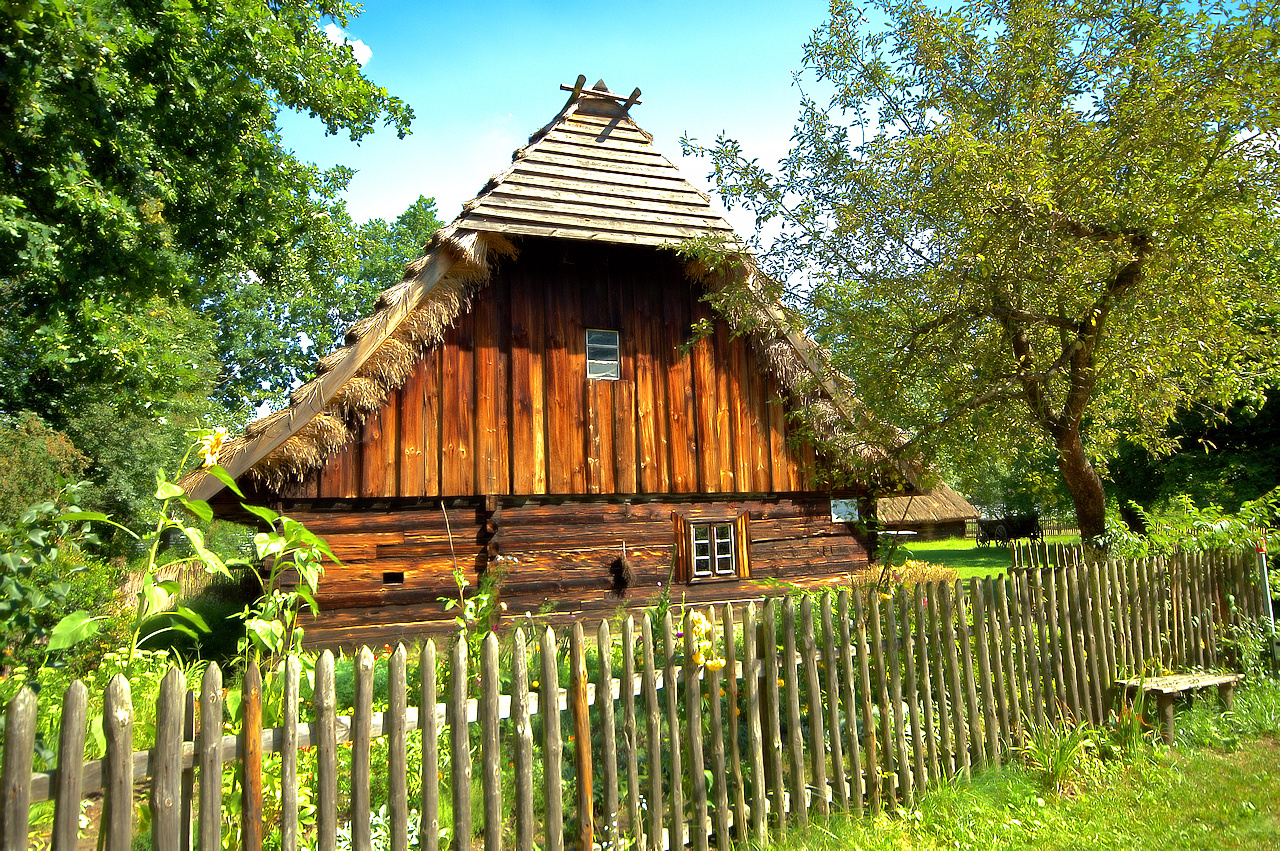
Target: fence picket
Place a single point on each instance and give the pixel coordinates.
(720, 778)
(871, 774)
(166, 783)
(977, 746)
(582, 758)
(429, 826)
(675, 762)
(397, 746)
(755, 745)
(326, 709)
(910, 628)
(608, 733)
(942, 703)
(117, 730)
(731, 702)
(522, 756)
(289, 755)
(552, 746)
(71, 736)
(831, 681)
(905, 792)
(459, 747)
(654, 737)
(960, 760)
(773, 717)
(692, 698)
(817, 727)
(490, 751)
(855, 778)
(19, 747)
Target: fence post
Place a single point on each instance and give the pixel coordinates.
(117, 729)
(66, 819)
(19, 749)
(397, 747)
(166, 779)
(630, 734)
(552, 746)
(361, 751)
(691, 692)
(490, 755)
(523, 756)
(755, 746)
(326, 719)
(429, 828)
(460, 744)
(817, 736)
(211, 759)
(582, 735)
(251, 747)
(289, 757)
(608, 735)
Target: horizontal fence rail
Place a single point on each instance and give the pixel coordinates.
(718, 726)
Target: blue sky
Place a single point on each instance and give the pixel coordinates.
(483, 76)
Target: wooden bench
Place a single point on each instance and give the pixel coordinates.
(1168, 688)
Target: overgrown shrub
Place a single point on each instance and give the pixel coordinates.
(35, 461)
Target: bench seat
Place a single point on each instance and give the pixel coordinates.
(1168, 688)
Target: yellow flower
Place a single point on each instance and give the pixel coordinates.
(715, 665)
(211, 445)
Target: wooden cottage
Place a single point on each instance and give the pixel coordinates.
(532, 403)
(937, 514)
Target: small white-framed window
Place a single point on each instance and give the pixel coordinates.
(712, 550)
(603, 361)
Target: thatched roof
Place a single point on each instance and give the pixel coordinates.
(591, 174)
(936, 505)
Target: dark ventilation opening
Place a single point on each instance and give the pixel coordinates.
(393, 577)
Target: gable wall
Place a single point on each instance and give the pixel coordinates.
(503, 406)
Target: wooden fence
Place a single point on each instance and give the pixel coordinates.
(855, 702)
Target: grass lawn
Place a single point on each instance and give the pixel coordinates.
(1190, 799)
(963, 555)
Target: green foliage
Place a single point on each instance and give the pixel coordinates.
(1185, 527)
(151, 221)
(1034, 224)
(1058, 754)
(34, 460)
(44, 535)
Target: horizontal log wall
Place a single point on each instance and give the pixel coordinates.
(503, 405)
(553, 557)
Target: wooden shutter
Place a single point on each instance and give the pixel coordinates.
(681, 552)
(742, 544)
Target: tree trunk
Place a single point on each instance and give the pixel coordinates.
(1084, 484)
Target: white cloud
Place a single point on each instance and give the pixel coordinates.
(336, 35)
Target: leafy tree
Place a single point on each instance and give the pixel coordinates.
(139, 159)
(1032, 222)
(384, 248)
(34, 462)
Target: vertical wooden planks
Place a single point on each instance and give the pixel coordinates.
(528, 400)
(902, 753)
(166, 778)
(429, 828)
(492, 434)
(552, 744)
(411, 434)
(457, 386)
(757, 421)
(626, 476)
(702, 363)
(886, 740)
(70, 777)
(998, 669)
(943, 704)
(985, 685)
(680, 413)
(490, 746)
(379, 474)
(653, 451)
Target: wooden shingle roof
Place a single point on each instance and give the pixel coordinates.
(593, 174)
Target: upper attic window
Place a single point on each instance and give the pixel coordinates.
(602, 355)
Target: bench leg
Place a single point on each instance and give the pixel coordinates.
(1226, 696)
(1164, 708)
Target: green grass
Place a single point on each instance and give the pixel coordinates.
(1191, 799)
(963, 555)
